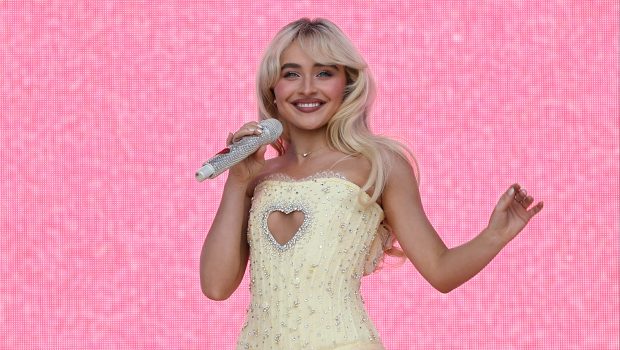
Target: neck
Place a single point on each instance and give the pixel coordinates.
(306, 152)
(305, 144)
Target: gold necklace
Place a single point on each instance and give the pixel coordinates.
(306, 154)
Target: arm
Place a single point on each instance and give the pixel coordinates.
(225, 252)
(447, 268)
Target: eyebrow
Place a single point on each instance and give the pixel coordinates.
(295, 65)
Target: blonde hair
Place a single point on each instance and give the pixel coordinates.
(348, 130)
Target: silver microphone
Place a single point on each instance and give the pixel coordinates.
(238, 151)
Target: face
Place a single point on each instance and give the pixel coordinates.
(307, 93)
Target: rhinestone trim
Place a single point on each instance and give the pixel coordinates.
(319, 175)
(286, 209)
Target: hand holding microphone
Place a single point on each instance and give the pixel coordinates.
(239, 150)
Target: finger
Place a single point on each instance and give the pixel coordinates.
(527, 201)
(237, 136)
(506, 199)
(521, 195)
(535, 209)
(252, 128)
(229, 138)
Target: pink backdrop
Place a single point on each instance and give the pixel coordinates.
(108, 107)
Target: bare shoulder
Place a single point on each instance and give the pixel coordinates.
(358, 168)
(402, 182)
(400, 169)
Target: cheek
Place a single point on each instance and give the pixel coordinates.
(280, 89)
(339, 86)
(337, 91)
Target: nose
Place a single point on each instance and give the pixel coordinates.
(308, 87)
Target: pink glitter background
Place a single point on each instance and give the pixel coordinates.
(108, 107)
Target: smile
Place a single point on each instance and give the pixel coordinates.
(308, 105)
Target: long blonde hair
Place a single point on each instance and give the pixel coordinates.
(348, 130)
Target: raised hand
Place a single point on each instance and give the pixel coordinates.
(512, 213)
(251, 166)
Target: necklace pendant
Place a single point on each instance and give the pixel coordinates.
(305, 154)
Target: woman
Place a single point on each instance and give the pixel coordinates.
(320, 215)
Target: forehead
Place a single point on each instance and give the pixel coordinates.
(305, 54)
(294, 54)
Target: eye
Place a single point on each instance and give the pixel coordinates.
(290, 75)
(325, 74)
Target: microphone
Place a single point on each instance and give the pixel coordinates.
(238, 151)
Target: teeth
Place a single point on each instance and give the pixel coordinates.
(308, 105)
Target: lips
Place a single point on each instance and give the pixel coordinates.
(308, 105)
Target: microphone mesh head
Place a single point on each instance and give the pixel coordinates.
(273, 128)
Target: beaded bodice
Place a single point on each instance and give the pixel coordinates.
(306, 292)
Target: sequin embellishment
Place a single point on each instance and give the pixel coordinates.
(286, 209)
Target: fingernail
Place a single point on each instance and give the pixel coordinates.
(511, 191)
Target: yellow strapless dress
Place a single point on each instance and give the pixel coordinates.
(306, 292)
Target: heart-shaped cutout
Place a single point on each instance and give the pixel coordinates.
(284, 226)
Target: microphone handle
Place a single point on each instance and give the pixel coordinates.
(228, 157)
